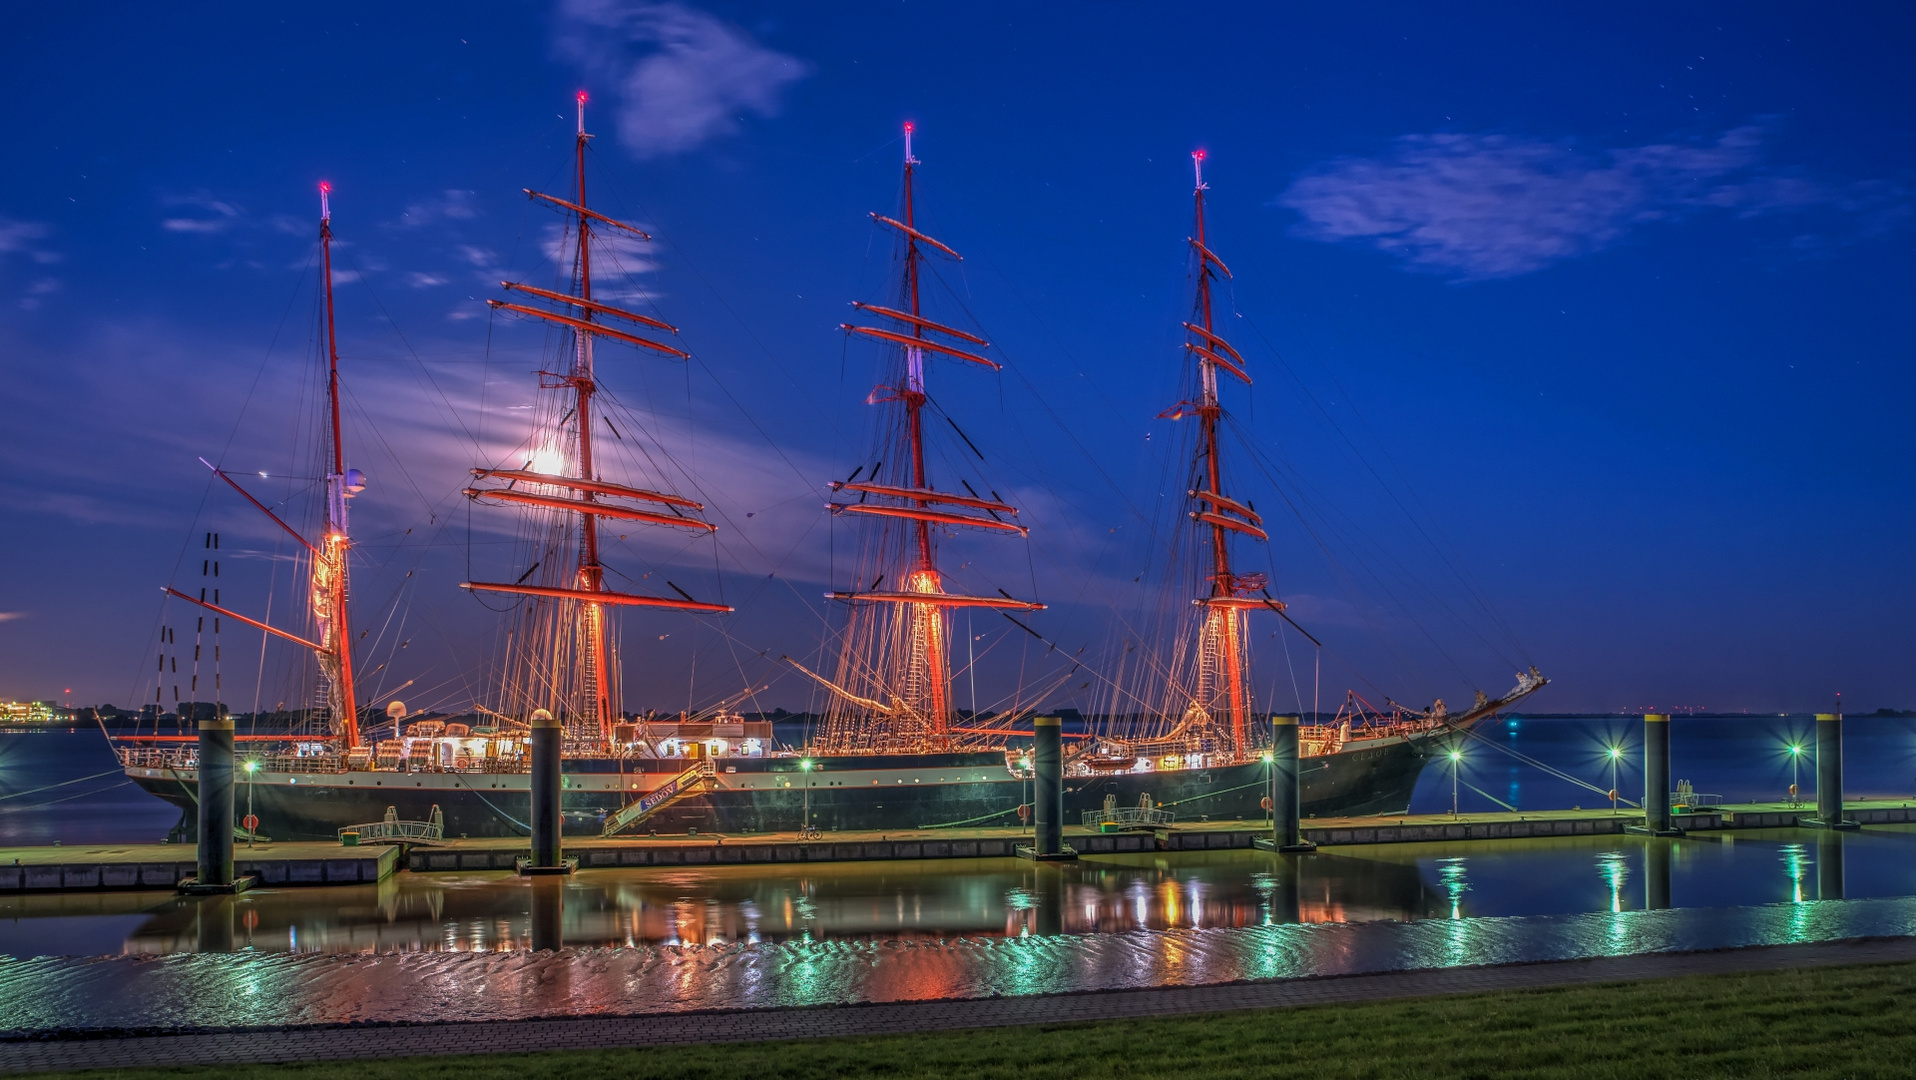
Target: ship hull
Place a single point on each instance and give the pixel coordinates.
(765, 795)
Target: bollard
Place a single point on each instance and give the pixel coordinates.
(547, 823)
(1656, 778)
(1047, 809)
(1656, 874)
(216, 805)
(548, 915)
(1829, 772)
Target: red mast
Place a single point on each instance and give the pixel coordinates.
(920, 685)
(1221, 678)
(585, 493)
(329, 568)
(327, 584)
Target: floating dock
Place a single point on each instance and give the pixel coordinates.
(82, 868)
(85, 867)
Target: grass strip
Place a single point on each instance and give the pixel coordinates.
(1814, 1022)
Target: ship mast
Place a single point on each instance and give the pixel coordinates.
(327, 585)
(582, 490)
(329, 568)
(1221, 680)
(920, 682)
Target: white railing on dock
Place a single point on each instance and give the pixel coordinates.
(392, 830)
(1133, 816)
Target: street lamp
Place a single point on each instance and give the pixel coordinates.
(1796, 755)
(1456, 756)
(251, 767)
(805, 766)
(1616, 753)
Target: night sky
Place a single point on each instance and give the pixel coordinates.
(1581, 338)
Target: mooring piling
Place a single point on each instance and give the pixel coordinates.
(1287, 794)
(1829, 772)
(546, 821)
(1656, 777)
(1047, 792)
(214, 874)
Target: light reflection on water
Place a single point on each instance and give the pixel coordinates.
(931, 901)
(470, 946)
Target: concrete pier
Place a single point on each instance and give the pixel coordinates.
(1829, 774)
(547, 823)
(117, 867)
(1047, 809)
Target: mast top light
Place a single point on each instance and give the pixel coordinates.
(325, 207)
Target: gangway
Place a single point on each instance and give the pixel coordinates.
(691, 782)
(391, 830)
(1142, 816)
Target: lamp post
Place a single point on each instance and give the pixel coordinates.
(805, 826)
(1456, 756)
(1616, 752)
(1796, 756)
(251, 767)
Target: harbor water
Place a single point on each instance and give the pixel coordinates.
(615, 941)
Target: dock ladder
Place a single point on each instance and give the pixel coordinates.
(692, 781)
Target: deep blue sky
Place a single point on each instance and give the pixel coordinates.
(1601, 318)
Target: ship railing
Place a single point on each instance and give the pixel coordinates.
(1126, 817)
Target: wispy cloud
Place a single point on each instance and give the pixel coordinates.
(23, 238)
(1476, 207)
(684, 76)
(453, 204)
(214, 215)
(9, 616)
(420, 280)
(41, 287)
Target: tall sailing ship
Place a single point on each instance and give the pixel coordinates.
(893, 750)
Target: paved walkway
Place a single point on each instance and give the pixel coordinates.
(341, 1043)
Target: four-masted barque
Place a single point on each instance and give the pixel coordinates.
(893, 751)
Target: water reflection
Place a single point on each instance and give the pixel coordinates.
(1658, 855)
(902, 904)
(1829, 865)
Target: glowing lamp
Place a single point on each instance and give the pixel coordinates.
(1456, 755)
(806, 764)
